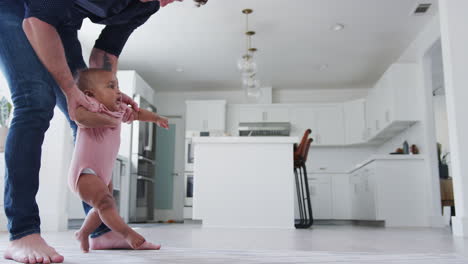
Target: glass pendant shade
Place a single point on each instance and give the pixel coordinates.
(253, 93)
(250, 82)
(247, 66)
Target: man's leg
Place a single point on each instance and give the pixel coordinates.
(33, 97)
(76, 63)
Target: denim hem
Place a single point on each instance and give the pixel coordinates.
(25, 233)
(100, 233)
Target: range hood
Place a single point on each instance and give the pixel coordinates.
(258, 129)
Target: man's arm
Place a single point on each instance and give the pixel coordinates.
(89, 119)
(48, 46)
(103, 60)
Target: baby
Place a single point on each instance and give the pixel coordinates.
(97, 145)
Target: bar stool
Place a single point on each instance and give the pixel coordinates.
(301, 152)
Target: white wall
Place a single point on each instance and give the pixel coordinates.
(455, 56)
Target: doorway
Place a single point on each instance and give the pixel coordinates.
(169, 195)
(439, 106)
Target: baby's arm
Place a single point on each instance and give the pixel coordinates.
(89, 119)
(145, 115)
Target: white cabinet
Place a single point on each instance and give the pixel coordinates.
(205, 115)
(330, 126)
(341, 203)
(355, 121)
(232, 119)
(362, 194)
(326, 122)
(390, 190)
(373, 109)
(401, 80)
(390, 104)
(263, 113)
(303, 118)
(329, 194)
(321, 196)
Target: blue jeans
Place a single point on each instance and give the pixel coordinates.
(34, 94)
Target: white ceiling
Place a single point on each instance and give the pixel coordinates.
(293, 38)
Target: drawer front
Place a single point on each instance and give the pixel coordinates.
(319, 178)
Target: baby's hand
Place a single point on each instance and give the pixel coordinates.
(161, 121)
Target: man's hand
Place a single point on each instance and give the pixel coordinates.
(76, 98)
(164, 3)
(129, 101)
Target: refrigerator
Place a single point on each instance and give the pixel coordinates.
(143, 167)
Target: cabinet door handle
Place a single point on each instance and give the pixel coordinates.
(377, 125)
(387, 116)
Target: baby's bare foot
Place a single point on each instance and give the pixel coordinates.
(134, 239)
(83, 239)
(149, 246)
(112, 240)
(32, 249)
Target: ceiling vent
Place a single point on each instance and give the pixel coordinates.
(422, 9)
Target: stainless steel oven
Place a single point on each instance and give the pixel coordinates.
(189, 157)
(188, 190)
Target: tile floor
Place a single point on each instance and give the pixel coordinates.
(190, 243)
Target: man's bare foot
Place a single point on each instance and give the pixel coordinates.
(32, 249)
(83, 239)
(112, 240)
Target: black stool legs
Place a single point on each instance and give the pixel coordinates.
(303, 198)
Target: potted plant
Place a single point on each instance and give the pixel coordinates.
(5, 111)
(443, 166)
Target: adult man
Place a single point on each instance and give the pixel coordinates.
(39, 54)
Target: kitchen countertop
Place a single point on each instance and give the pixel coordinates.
(369, 160)
(245, 140)
(387, 157)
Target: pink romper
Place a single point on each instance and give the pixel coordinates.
(97, 148)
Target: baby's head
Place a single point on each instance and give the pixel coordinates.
(102, 85)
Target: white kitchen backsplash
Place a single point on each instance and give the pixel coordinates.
(413, 135)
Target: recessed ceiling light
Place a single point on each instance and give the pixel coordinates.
(179, 69)
(338, 27)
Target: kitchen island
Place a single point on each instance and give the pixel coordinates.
(244, 182)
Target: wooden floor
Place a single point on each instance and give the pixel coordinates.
(189, 243)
